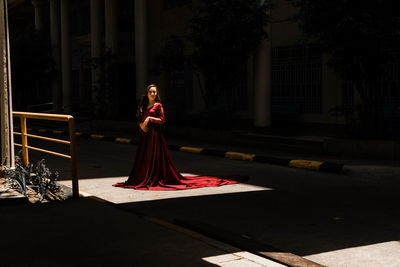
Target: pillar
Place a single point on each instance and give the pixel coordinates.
(140, 47)
(96, 51)
(66, 67)
(262, 84)
(111, 25)
(55, 47)
(331, 93)
(111, 38)
(39, 13)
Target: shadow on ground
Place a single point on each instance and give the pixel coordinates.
(307, 212)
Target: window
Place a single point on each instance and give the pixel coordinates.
(391, 77)
(297, 77)
(179, 89)
(347, 97)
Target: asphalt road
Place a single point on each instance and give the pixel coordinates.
(334, 220)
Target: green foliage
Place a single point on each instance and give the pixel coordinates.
(224, 33)
(357, 36)
(37, 177)
(353, 32)
(172, 56)
(174, 63)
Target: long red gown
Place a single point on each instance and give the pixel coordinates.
(153, 168)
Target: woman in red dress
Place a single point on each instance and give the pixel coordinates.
(153, 168)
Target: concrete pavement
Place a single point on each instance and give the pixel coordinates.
(319, 216)
(280, 206)
(89, 232)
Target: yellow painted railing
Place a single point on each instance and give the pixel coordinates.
(72, 141)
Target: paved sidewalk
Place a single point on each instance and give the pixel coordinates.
(88, 232)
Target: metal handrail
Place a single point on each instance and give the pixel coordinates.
(72, 141)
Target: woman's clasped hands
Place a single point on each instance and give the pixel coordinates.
(144, 125)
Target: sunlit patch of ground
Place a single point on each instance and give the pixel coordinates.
(381, 254)
(242, 259)
(102, 187)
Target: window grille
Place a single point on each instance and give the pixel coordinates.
(179, 89)
(390, 82)
(239, 93)
(297, 77)
(241, 97)
(347, 97)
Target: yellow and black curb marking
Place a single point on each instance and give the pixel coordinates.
(296, 163)
(302, 164)
(240, 156)
(196, 150)
(123, 140)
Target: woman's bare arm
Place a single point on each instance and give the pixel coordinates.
(154, 120)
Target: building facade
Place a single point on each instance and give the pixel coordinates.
(106, 51)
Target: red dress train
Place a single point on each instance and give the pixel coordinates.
(153, 168)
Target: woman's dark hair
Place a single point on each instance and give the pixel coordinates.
(144, 101)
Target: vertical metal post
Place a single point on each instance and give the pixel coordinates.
(7, 140)
(74, 161)
(24, 142)
(10, 106)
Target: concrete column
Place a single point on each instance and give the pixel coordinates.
(66, 56)
(6, 122)
(111, 37)
(262, 84)
(140, 47)
(110, 7)
(55, 46)
(39, 13)
(96, 34)
(330, 94)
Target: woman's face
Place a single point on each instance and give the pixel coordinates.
(152, 93)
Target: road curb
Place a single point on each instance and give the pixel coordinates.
(323, 166)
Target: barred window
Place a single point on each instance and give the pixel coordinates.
(347, 97)
(240, 93)
(390, 81)
(297, 77)
(179, 89)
